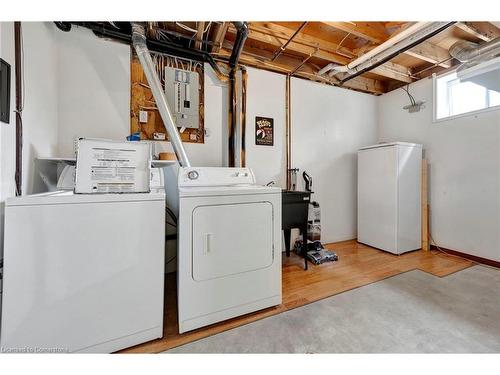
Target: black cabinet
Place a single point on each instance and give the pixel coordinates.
(295, 207)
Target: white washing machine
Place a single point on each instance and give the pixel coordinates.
(83, 272)
(229, 249)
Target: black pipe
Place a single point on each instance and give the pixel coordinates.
(18, 61)
(125, 35)
(391, 56)
(241, 36)
(63, 26)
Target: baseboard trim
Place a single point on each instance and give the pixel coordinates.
(474, 258)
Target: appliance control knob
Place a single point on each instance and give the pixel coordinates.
(193, 175)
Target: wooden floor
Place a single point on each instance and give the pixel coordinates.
(358, 265)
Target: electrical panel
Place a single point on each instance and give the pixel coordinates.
(182, 92)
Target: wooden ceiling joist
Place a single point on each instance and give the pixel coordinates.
(425, 51)
(286, 65)
(431, 53)
(302, 48)
(485, 31)
(199, 35)
(363, 30)
(394, 71)
(314, 46)
(283, 47)
(220, 34)
(284, 33)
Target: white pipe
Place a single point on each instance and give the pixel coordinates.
(139, 42)
(406, 33)
(399, 41)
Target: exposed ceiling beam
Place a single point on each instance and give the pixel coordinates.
(392, 24)
(294, 46)
(282, 32)
(283, 47)
(432, 53)
(425, 51)
(365, 30)
(199, 35)
(286, 64)
(485, 31)
(220, 34)
(393, 71)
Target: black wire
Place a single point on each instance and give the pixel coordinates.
(408, 91)
(412, 99)
(171, 259)
(171, 214)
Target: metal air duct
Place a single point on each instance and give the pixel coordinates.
(465, 51)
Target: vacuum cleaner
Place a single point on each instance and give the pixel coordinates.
(316, 253)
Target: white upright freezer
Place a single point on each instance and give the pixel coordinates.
(82, 273)
(389, 184)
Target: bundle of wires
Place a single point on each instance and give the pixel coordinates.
(407, 90)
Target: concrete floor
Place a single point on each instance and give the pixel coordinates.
(407, 313)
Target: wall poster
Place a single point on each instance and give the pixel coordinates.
(264, 131)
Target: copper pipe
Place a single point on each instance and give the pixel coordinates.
(303, 62)
(283, 47)
(244, 79)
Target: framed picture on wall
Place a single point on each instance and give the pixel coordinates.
(264, 131)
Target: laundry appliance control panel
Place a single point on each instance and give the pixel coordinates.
(215, 176)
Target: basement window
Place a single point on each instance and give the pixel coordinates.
(453, 98)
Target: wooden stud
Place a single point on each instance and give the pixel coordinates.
(425, 206)
(199, 35)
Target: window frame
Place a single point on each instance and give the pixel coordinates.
(435, 78)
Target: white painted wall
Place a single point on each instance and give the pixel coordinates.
(266, 98)
(40, 113)
(329, 125)
(93, 88)
(464, 157)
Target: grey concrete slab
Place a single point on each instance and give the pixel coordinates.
(413, 312)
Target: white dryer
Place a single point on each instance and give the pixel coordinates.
(229, 249)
